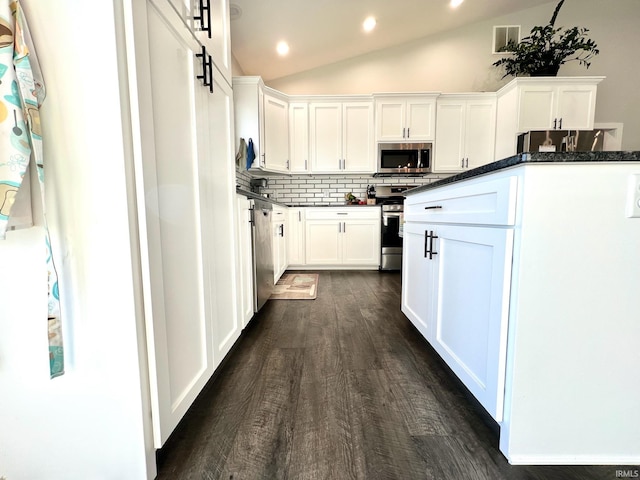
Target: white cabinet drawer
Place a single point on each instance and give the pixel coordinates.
(278, 213)
(490, 202)
(342, 213)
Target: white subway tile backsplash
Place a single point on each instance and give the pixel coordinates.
(310, 189)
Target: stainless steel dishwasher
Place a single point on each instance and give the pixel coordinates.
(262, 252)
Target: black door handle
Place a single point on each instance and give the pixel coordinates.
(429, 235)
(205, 26)
(207, 73)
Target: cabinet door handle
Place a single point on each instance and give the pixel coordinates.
(339, 227)
(408, 134)
(462, 162)
(426, 243)
(560, 123)
(299, 216)
(305, 165)
(431, 238)
(555, 123)
(210, 65)
(344, 227)
(287, 164)
(205, 26)
(205, 67)
(429, 235)
(432, 207)
(403, 129)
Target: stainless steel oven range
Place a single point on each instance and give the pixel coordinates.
(391, 201)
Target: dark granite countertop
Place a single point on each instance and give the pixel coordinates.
(533, 158)
(256, 196)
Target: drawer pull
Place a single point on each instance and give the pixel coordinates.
(433, 207)
(343, 213)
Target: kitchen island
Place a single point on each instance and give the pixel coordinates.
(523, 275)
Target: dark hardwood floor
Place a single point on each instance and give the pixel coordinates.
(341, 387)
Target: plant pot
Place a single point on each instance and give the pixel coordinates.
(548, 71)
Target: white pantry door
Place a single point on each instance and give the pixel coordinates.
(178, 292)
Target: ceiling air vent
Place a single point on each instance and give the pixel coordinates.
(503, 34)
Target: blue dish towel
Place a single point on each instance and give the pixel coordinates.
(251, 154)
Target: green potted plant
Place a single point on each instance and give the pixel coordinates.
(546, 48)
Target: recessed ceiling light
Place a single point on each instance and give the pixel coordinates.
(369, 24)
(235, 12)
(282, 48)
(455, 3)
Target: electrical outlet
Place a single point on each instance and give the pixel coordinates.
(633, 196)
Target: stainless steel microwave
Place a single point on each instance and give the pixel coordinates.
(404, 158)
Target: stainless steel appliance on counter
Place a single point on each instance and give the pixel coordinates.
(404, 158)
(561, 141)
(391, 201)
(262, 252)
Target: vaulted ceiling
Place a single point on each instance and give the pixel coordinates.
(322, 32)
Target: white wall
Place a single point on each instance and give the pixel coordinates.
(89, 423)
(460, 61)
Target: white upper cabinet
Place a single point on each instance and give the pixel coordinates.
(218, 41)
(549, 103)
(557, 107)
(325, 129)
(299, 137)
(276, 134)
(405, 118)
(209, 21)
(465, 132)
(341, 137)
(262, 115)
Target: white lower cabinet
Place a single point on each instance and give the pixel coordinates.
(244, 261)
(279, 246)
(500, 278)
(417, 279)
(324, 242)
(457, 294)
(456, 282)
(295, 237)
(342, 236)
